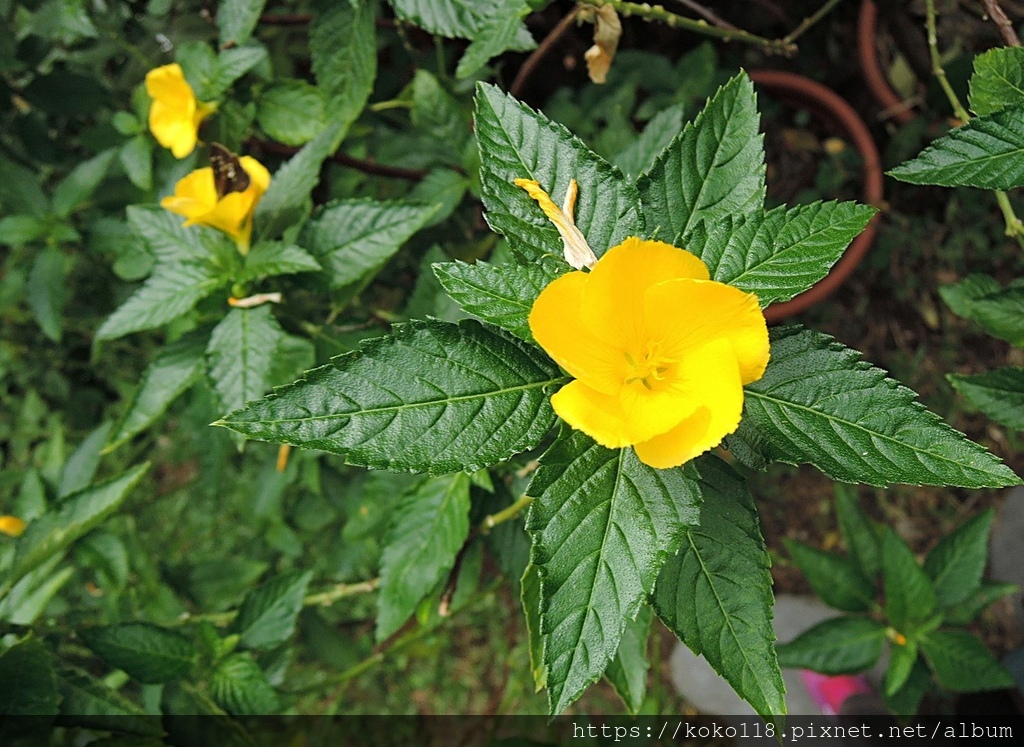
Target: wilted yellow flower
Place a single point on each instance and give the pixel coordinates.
(659, 352)
(574, 245)
(196, 197)
(175, 114)
(12, 526)
(607, 32)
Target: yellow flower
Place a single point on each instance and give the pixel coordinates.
(195, 197)
(659, 352)
(574, 245)
(12, 526)
(175, 114)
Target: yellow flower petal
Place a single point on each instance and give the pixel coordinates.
(175, 114)
(597, 414)
(12, 526)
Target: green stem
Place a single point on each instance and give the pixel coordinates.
(509, 512)
(805, 24)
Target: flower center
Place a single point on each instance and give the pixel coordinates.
(650, 367)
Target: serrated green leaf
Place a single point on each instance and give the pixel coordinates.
(716, 594)
(28, 685)
(477, 399)
(210, 74)
(184, 699)
(713, 168)
(458, 19)
(175, 369)
(909, 595)
(957, 563)
(959, 296)
(45, 290)
(603, 523)
(840, 645)
(273, 258)
(79, 185)
(428, 527)
(986, 593)
(627, 672)
(818, 403)
(640, 154)
(777, 254)
(859, 534)
(837, 580)
(531, 599)
(291, 111)
(81, 466)
(343, 50)
(240, 354)
(519, 143)
(95, 706)
(987, 152)
(236, 20)
(436, 114)
(501, 31)
(905, 701)
(962, 663)
(441, 187)
(56, 530)
(268, 613)
(999, 394)
(998, 310)
(352, 237)
(147, 652)
(239, 686)
(901, 663)
(998, 80)
(500, 294)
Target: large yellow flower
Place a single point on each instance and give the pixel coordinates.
(175, 114)
(659, 352)
(195, 197)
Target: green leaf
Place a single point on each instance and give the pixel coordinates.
(343, 48)
(240, 354)
(713, 168)
(93, 705)
(859, 534)
(780, 253)
(350, 238)
(501, 31)
(957, 563)
(477, 398)
(272, 258)
(987, 152)
(962, 663)
(268, 613)
(519, 143)
(147, 652)
(905, 701)
(999, 394)
(210, 74)
(909, 596)
(175, 369)
(627, 672)
(837, 580)
(239, 686)
(20, 190)
(185, 699)
(841, 645)
(79, 185)
(960, 296)
(55, 531)
(437, 115)
(500, 294)
(428, 528)
(603, 523)
(998, 310)
(81, 466)
(531, 599)
(18, 230)
(998, 80)
(986, 593)
(136, 157)
(901, 663)
(236, 20)
(28, 685)
(30, 596)
(46, 291)
(639, 154)
(457, 19)
(818, 403)
(291, 111)
(716, 594)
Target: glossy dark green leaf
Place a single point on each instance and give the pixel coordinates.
(639, 154)
(149, 653)
(501, 30)
(343, 51)
(459, 19)
(627, 672)
(240, 354)
(239, 686)
(957, 563)
(841, 645)
(998, 80)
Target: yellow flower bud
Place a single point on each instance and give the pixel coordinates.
(12, 526)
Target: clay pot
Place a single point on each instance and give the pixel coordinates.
(871, 70)
(835, 113)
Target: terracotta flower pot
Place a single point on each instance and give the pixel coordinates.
(835, 113)
(871, 69)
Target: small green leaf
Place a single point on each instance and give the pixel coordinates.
(841, 645)
(627, 672)
(79, 185)
(901, 663)
(136, 157)
(780, 253)
(998, 80)
(18, 230)
(20, 190)
(500, 31)
(343, 49)
(986, 593)
(428, 527)
(909, 595)
(437, 115)
(999, 394)
(350, 238)
(291, 111)
(713, 168)
(149, 653)
(998, 310)
(716, 594)
(458, 19)
(46, 291)
(210, 74)
(987, 152)
(268, 613)
(603, 524)
(93, 705)
(957, 563)
(962, 663)
(239, 686)
(272, 258)
(837, 580)
(859, 534)
(236, 20)
(640, 154)
(959, 296)
(818, 403)
(81, 466)
(477, 399)
(904, 702)
(28, 685)
(240, 354)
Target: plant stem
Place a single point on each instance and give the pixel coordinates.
(805, 24)
(1003, 23)
(509, 512)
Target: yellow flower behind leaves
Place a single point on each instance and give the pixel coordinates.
(175, 114)
(195, 197)
(12, 526)
(659, 352)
